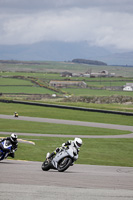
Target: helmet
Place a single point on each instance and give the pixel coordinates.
(77, 142)
(13, 137)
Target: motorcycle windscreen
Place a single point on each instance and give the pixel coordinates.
(7, 144)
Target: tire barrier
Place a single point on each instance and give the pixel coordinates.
(67, 107)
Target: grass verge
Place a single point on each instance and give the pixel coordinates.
(59, 113)
(110, 152)
(49, 128)
(115, 152)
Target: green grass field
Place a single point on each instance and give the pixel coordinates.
(16, 86)
(89, 92)
(14, 81)
(56, 113)
(47, 76)
(116, 107)
(26, 90)
(115, 152)
(68, 66)
(48, 128)
(111, 152)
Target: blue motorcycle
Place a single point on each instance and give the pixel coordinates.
(5, 149)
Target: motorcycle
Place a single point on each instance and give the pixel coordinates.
(62, 160)
(16, 115)
(6, 144)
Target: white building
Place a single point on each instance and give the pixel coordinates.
(128, 87)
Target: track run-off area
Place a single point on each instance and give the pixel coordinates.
(25, 179)
(71, 122)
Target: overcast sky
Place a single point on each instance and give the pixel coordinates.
(104, 23)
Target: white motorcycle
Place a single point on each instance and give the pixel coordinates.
(62, 160)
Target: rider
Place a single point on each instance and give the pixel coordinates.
(14, 142)
(15, 114)
(77, 143)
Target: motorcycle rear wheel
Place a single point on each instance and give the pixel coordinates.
(64, 164)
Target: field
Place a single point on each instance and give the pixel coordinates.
(25, 90)
(94, 151)
(116, 152)
(18, 78)
(19, 86)
(88, 92)
(111, 152)
(51, 66)
(56, 113)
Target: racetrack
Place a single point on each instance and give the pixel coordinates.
(24, 180)
(71, 122)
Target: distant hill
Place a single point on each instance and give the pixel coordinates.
(52, 51)
(19, 62)
(125, 59)
(63, 51)
(91, 62)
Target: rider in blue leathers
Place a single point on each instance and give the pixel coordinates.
(14, 142)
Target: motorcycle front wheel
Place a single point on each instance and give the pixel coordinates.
(64, 163)
(46, 165)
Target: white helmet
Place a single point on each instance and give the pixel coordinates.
(13, 137)
(78, 142)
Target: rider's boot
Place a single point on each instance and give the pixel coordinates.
(51, 155)
(48, 154)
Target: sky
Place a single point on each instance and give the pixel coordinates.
(103, 23)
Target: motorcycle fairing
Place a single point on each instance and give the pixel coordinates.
(6, 145)
(62, 154)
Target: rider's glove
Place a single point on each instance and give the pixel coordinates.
(64, 147)
(63, 144)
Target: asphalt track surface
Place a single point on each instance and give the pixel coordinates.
(25, 180)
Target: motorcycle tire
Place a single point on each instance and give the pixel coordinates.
(46, 165)
(64, 164)
(1, 156)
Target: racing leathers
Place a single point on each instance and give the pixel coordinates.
(14, 146)
(67, 144)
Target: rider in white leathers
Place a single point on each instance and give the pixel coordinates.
(77, 143)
